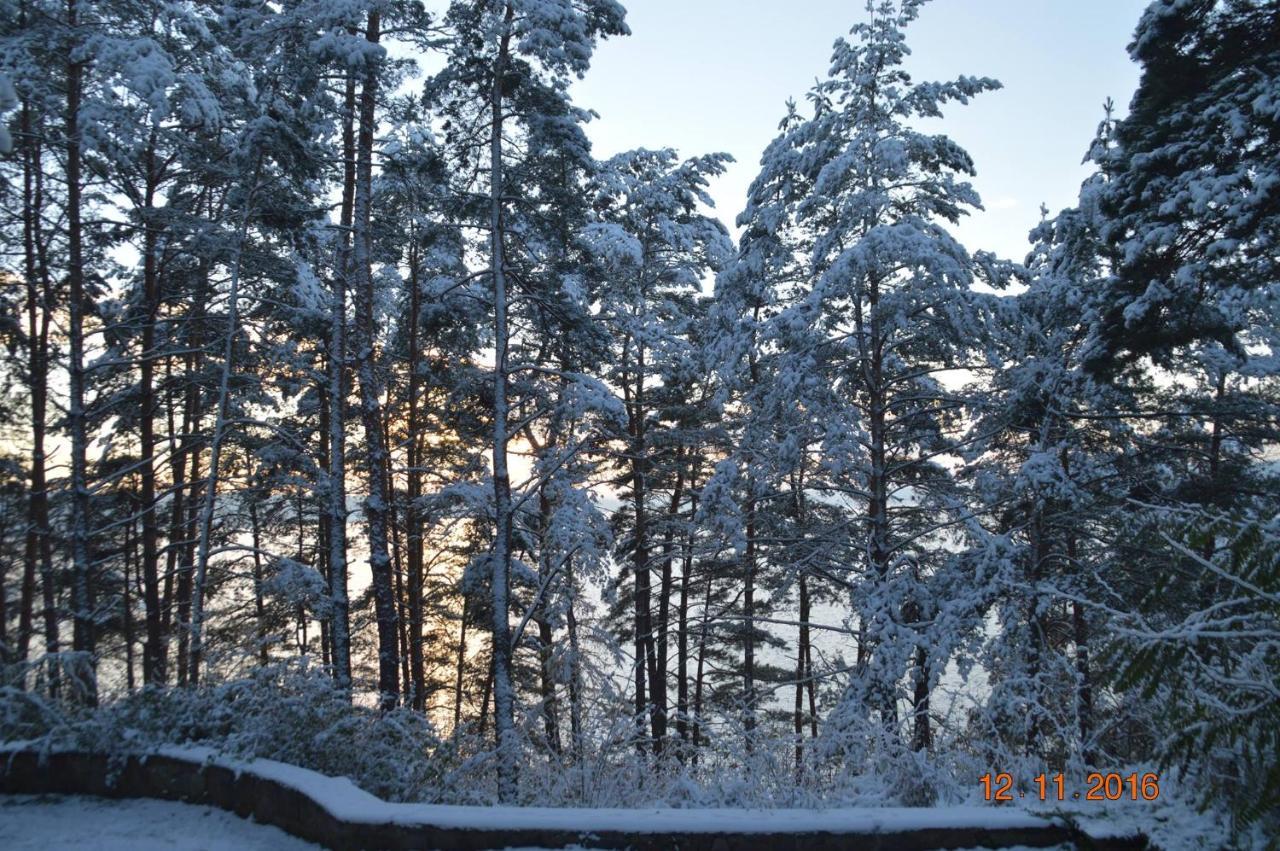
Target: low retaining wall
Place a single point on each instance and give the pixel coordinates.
(333, 813)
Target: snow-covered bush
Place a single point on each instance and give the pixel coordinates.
(288, 712)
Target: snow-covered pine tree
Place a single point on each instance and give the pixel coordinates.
(30, 44)
(1186, 323)
(159, 94)
(376, 504)
(1193, 207)
(864, 301)
(273, 162)
(656, 247)
(1043, 474)
(82, 672)
(428, 355)
(508, 67)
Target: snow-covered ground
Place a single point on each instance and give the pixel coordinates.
(51, 822)
(47, 822)
(42, 822)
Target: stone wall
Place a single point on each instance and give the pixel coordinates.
(271, 802)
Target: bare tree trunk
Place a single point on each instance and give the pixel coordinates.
(38, 555)
(323, 543)
(546, 649)
(375, 506)
(550, 709)
(209, 503)
(803, 673)
(412, 518)
(749, 588)
(659, 687)
(1084, 682)
(485, 696)
(6, 652)
(878, 551)
(508, 746)
(259, 604)
(304, 643)
(813, 691)
(336, 487)
(153, 655)
(1035, 630)
(180, 449)
(397, 559)
(84, 671)
(575, 677)
(682, 634)
(922, 729)
(126, 602)
(461, 662)
(749, 623)
(187, 570)
(701, 668)
(645, 647)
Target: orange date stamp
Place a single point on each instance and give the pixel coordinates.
(1099, 786)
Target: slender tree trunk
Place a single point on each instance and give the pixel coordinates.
(324, 545)
(803, 673)
(402, 594)
(84, 671)
(397, 559)
(153, 655)
(749, 623)
(1084, 682)
(186, 572)
(645, 645)
(701, 668)
(485, 699)
(336, 480)
(749, 587)
(575, 677)
(412, 518)
(682, 635)
(21, 649)
(461, 665)
(38, 555)
(922, 729)
(659, 687)
(375, 506)
(126, 602)
(304, 623)
(878, 551)
(508, 745)
(259, 604)
(300, 556)
(184, 447)
(1080, 637)
(546, 648)
(813, 691)
(1035, 631)
(6, 649)
(550, 709)
(219, 435)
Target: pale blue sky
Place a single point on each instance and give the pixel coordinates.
(713, 75)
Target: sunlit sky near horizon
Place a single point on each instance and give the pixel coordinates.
(714, 75)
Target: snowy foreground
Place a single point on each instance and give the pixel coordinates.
(31, 822)
(75, 821)
(350, 803)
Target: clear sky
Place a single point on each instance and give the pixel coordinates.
(713, 75)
